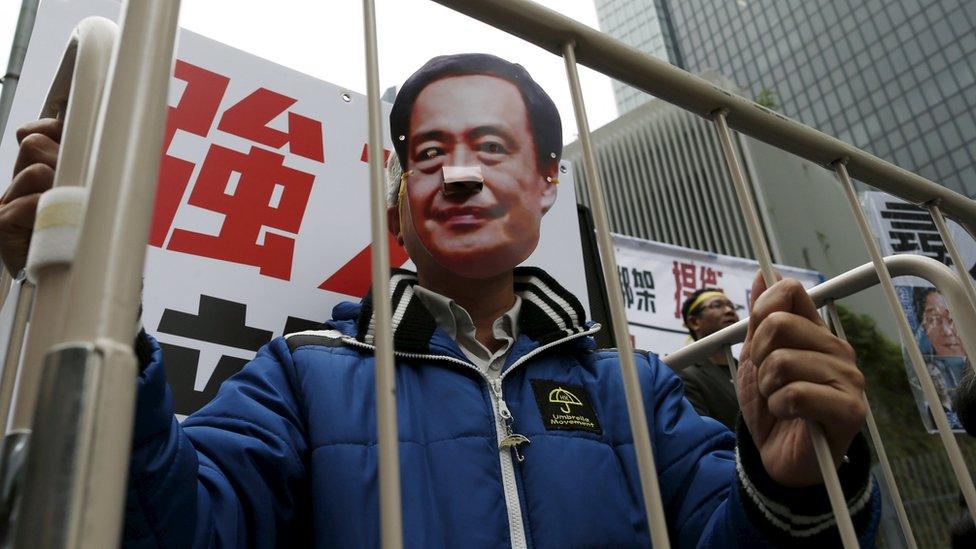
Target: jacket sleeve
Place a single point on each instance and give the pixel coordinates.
(716, 491)
(231, 474)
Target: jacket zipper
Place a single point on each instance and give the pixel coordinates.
(508, 439)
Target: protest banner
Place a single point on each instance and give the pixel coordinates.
(261, 222)
(903, 228)
(656, 278)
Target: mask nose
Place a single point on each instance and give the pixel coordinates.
(460, 180)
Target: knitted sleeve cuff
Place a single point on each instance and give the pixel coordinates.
(802, 516)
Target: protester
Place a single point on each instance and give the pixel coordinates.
(513, 427)
(708, 384)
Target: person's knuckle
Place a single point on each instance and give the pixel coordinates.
(775, 364)
(792, 397)
(840, 348)
(855, 377)
(24, 131)
(38, 173)
(777, 322)
(792, 285)
(857, 411)
(774, 371)
(34, 145)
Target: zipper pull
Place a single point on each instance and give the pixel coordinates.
(513, 439)
(496, 387)
(503, 411)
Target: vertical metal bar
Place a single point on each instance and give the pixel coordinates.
(886, 473)
(11, 359)
(908, 339)
(6, 279)
(753, 226)
(729, 200)
(635, 404)
(18, 51)
(760, 248)
(733, 369)
(967, 279)
(391, 529)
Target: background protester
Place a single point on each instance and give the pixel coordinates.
(708, 384)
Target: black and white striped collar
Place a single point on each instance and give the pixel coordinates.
(549, 312)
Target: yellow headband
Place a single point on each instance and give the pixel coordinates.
(705, 296)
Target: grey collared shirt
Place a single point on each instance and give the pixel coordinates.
(457, 324)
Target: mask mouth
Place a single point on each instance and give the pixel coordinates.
(462, 180)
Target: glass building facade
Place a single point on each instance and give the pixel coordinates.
(894, 77)
(645, 25)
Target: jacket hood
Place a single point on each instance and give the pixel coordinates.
(549, 312)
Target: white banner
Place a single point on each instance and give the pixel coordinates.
(902, 227)
(656, 278)
(261, 223)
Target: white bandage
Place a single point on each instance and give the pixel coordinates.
(56, 227)
(455, 174)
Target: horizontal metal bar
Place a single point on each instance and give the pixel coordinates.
(845, 285)
(549, 30)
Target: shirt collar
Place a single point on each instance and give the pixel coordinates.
(454, 320)
(547, 311)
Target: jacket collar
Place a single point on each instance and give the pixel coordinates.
(549, 312)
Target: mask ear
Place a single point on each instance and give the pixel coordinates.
(549, 179)
(692, 323)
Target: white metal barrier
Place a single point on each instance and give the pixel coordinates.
(74, 97)
(74, 477)
(845, 285)
(561, 35)
(93, 368)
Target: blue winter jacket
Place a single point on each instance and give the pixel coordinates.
(285, 455)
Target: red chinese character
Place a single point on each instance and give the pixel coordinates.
(249, 118)
(195, 114)
(354, 278)
(708, 277)
(267, 194)
(684, 283)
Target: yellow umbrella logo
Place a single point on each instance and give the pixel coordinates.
(564, 397)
